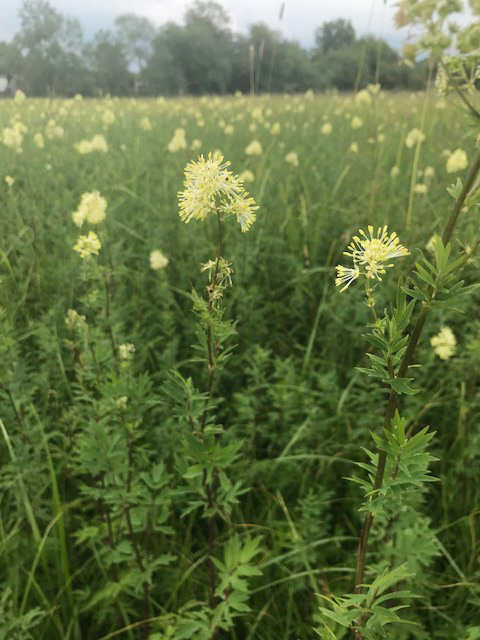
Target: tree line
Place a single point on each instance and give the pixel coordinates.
(49, 56)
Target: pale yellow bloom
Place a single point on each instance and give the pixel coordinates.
(413, 137)
(430, 246)
(275, 128)
(10, 181)
(74, 320)
(429, 172)
(420, 188)
(444, 343)
(108, 117)
(12, 137)
(158, 260)
(371, 255)
(178, 142)
(210, 186)
(394, 171)
(354, 147)
(363, 98)
(88, 245)
(196, 144)
(19, 97)
(38, 140)
(326, 129)
(53, 130)
(92, 209)
(457, 161)
(254, 148)
(246, 176)
(126, 351)
(228, 129)
(357, 122)
(145, 124)
(292, 158)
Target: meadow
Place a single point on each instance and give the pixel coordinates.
(111, 510)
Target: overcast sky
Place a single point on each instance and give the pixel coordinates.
(300, 19)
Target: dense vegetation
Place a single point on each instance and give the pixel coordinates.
(106, 503)
(49, 56)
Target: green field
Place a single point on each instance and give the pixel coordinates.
(107, 512)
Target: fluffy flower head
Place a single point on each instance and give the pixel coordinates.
(88, 245)
(444, 343)
(371, 255)
(457, 161)
(158, 260)
(211, 186)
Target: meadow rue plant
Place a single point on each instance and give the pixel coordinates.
(88, 245)
(92, 209)
(444, 343)
(457, 161)
(158, 260)
(211, 187)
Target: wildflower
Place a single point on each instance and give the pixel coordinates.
(413, 137)
(158, 260)
(363, 98)
(326, 129)
(196, 144)
(108, 117)
(430, 246)
(243, 207)
(371, 255)
(254, 148)
(210, 186)
(346, 276)
(381, 137)
(292, 158)
(12, 137)
(420, 188)
(19, 97)
(145, 124)
(457, 161)
(444, 343)
(354, 147)
(394, 171)
(92, 209)
(357, 122)
(122, 403)
(221, 271)
(88, 245)
(228, 130)
(126, 351)
(10, 181)
(74, 320)
(38, 140)
(246, 176)
(53, 130)
(275, 128)
(429, 172)
(178, 142)
(374, 89)
(98, 143)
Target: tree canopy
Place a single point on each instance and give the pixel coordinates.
(50, 56)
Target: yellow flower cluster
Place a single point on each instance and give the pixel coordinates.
(413, 137)
(91, 209)
(158, 260)
(13, 136)
(444, 343)
(457, 161)
(371, 255)
(97, 143)
(210, 186)
(88, 245)
(178, 142)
